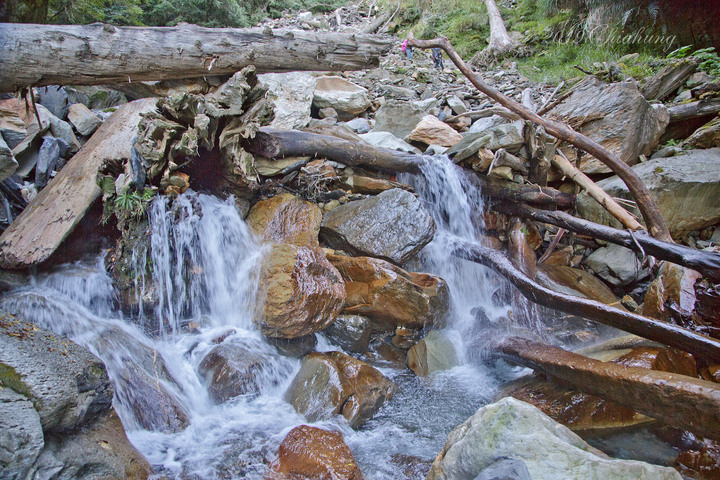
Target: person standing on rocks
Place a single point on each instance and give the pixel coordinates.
(437, 58)
(406, 49)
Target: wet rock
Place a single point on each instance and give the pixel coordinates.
(358, 125)
(671, 296)
(519, 249)
(514, 429)
(294, 347)
(369, 185)
(292, 94)
(398, 118)
(617, 265)
(311, 452)
(269, 167)
(707, 136)
(302, 292)
(21, 435)
(55, 99)
(334, 383)
(573, 281)
(389, 141)
(8, 164)
(391, 296)
(505, 469)
(232, 369)
(286, 218)
(432, 131)
(345, 97)
(508, 136)
(616, 116)
(351, 332)
(675, 183)
(84, 121)
(393, 226)
(701, 464)
(433, 353)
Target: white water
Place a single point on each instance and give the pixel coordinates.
(205, 262)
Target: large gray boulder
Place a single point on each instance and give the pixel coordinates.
(515, 429)
(685, 187)
(617, 265)
(393, 226)
(292, 93)
(345, 97)
(508, 136)
(398, 118)
(616, 116)
(21, 435)
(431, 354)
(84, 120)
(389, 141)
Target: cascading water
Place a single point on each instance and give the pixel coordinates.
(204, 269)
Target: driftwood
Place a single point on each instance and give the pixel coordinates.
(602, 197)
(678, 400)
(688, 111)
(50, 217)
(647, 206)
(37, 55)
(665, 333)
(272, 143)
(708, 264)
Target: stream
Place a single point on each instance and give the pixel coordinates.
(205, 264)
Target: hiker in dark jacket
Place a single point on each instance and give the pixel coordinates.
(437, 58)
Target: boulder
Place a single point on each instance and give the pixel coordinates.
(84, 121)
(391, 296)
(389, 141)
(55, 99)
(432, 131)
(431, 354)
(617, 265)
(393, 226)
(233, 368)
(8, 164)
(300, 291)
(49, 159)
(514, 429)
(369, 185)
(350, 332)
(294, 347)
(685, 187)
(505, 469)
(102, 98)
(508, 136)
(311, 452)
(616, 116)
(292, 94)
(21, 435)
(398, 92)
(671, 296)
(286, 218)
(12, 127)
(488, 123)
(398, 118)
(345, 97)
(335, 383)
(573, 281)
(456, 104)
(358, 125)
(271, 167)
(707, 136)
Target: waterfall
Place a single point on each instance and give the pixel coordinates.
(202, 271)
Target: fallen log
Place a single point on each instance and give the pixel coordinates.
(271, 143)
(37, 55)
(50, 217)
(678, 400)
(651, 213)
(708, 264)
(668, 80)
(665, 333)
(688, 111)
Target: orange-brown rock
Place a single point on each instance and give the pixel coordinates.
(391, 296)
(432, 131)
(672, 294)
(703, 464)
(286, 218)
(300, 292)
(576, 282)
(370, 186)
(335, 383)
(313, 453)
(320, 168)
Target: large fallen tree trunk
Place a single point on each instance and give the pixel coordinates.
(50, 217)
(37, 55)
(499, 42)
(678, 400)
(647, 206)
(271, 143)
(687, 111)
(708, 264)
(663, 332)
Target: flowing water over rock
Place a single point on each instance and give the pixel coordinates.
(205, 265)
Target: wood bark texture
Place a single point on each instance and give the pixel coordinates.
(500, 41)
(50, 217)
(647, 206)
(678, 400)
(37, 55)
(688, 111)
(707, 263)
(659, 331)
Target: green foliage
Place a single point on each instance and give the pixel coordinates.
(128, 207)
(207, 13)
(708, 58)
(116, 12)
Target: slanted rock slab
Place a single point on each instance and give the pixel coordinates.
(292, 94)
(393, 226)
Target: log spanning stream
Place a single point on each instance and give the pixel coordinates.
(205, 265)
